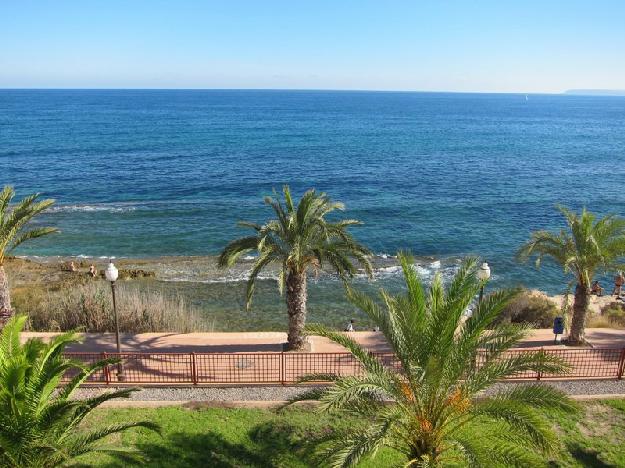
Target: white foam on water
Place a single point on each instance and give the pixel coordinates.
(103, 207)
(387, 271)
(425, 272)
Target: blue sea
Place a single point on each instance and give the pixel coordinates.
(158, 173)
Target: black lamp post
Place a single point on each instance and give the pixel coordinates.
(112, 274)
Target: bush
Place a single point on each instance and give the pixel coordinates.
(531, 307)
(89, 307)
(613, 315)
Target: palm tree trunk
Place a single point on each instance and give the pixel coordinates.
(5, 298)
(580, 310)
(296, 307)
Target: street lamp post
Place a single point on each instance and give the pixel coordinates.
(112, 274)
(483, 274)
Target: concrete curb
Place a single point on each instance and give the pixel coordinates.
(191, 404)
(273, 404)
(605, 396)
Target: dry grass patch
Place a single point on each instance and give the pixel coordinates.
(89, 307)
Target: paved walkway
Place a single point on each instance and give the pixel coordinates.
(249, 342)
(255, 358)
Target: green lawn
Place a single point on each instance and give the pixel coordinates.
(259, 438)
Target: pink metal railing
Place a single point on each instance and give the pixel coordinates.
(286, 368)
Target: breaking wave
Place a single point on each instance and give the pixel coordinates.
(93, 208)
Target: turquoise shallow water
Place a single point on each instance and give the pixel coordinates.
(157, 173)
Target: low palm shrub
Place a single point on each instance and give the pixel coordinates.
(40, 423)
(430, 407)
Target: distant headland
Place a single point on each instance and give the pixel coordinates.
(596, 92)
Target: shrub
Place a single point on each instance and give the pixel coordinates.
(613, 316)
(89, 307)
(531, 307)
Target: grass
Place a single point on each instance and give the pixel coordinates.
(219, 437)
(260, 438)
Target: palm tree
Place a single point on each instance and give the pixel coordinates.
(589, 246)
(426, 406)
(13, 221)
(39, 421)
(300, 238)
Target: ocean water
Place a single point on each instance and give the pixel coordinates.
(149, 173)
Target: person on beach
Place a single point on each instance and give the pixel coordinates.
(596, 289)
(619, 279)
(92, 271)
(350, 326)
(71, 267)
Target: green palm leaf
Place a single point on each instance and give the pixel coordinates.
(589, 245)
(14, 220)
(431, 408)
(299, 239)
(39, 423)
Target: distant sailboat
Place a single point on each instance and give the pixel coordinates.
(526, 98)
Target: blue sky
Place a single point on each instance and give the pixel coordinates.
(446, 45)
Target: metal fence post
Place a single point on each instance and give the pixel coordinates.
(194, 378)
(539, 374)
(621, 366)
(107, 373)
(282, 368)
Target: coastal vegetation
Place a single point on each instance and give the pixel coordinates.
(88, 307)
(14, 231)
(299, 239)
(59, 300)
(612, 316)
(531, 307)
(588, 246)
(436, 417)
(40, 422)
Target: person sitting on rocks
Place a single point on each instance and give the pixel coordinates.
(92, 271)
(350, 326)
(596, 289)
(619, 279)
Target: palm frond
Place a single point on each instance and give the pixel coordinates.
(430, 402)
(39, 423)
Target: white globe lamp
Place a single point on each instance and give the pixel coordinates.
(483, 274)
(111, 272)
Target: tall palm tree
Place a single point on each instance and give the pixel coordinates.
(426, 407)
(590, 245)
(299, 239)
(39, 420)
(13, 232)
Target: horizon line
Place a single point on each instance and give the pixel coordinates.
(276, 89)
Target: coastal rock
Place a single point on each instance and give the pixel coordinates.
(132, 273)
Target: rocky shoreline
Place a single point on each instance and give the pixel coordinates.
(218, 295)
